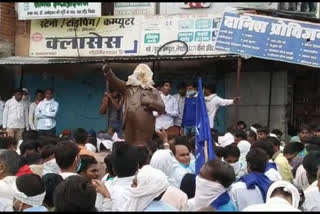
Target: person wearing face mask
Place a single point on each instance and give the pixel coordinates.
(213, 102)
(26, 97)
(189, 117)
(231, 155)
(68, 158)
(212, 185)
(28, 194)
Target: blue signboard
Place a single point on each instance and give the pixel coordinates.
(270, 38)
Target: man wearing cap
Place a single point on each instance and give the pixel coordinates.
(140, 98)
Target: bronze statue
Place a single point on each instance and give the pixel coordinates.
(140, 100)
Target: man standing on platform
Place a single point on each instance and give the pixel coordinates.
(46, 113)
(165, 120)
(15, 116)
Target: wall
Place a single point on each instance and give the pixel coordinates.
(216, 8)
(254, 93)
(7, 28)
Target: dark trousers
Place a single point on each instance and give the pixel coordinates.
(50, 132)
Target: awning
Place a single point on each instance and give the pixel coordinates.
(20, 60)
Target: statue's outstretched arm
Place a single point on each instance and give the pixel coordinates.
(115, 83)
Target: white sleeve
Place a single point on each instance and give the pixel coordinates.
(224, 102)
(53, 113)
(26, 118)
(173, 110)
(5, 115)
(31, 117)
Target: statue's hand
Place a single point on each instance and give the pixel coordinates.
(106, 68)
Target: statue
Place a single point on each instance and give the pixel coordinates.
(140, 99)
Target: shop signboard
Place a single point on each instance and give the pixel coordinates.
(142, 35)
(54, 10)
(134, 8)
(85, 37)
(271, 38)
(198, 31)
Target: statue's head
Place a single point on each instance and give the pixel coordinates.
(142, 76)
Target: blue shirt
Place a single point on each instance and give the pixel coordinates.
(228, 207)
(160, 206)
(189, 112)
(36, 209)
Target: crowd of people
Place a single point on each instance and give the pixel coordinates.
(255, 169)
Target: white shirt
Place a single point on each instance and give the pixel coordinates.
(273, 175)
(274, 204)
(213, 102)
(33, 121)
(5, 187)
(46, 112)
(90, 147)
(301, 180)
(15, 115)
(6, 192)
(167, 120)
(65, 175)
(181, 101)
(312, 198)
(119, 188)
(1, 111)
(243, 197)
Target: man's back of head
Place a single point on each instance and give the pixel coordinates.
(28, 191)
(80, 136)
(124, 160)
(9, 163)
(66, 153)
(266, 146)
(75, 194)
(257, 160)
(8, 143)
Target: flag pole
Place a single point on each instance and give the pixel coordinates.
(206, 151)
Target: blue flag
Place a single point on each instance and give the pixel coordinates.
(203, 132)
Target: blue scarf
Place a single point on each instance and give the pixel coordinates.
(257, 179)
(221, 200)
(270, 165)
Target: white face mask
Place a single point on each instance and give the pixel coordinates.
(191, 93)
(207, 191)
(236, 166)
